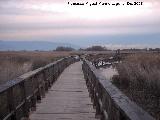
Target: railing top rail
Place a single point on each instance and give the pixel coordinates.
(128, 108)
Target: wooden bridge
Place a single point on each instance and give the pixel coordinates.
(67, 99)
(74, 91)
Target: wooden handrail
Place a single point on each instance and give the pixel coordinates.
(109, 101)
(18, 97)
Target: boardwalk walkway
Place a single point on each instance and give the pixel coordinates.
(68, 99)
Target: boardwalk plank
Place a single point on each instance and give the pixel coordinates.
(68, 99)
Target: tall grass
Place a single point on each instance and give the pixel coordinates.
(11, 69)
(14, 64)
(139, 78)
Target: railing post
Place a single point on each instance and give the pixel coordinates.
(33, 102)
(26, 102)
(45, 80)
(99, 102)
(11, 103)
(43, 89)
(39, 95)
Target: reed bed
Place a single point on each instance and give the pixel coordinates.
(14, 64)
(139, 79)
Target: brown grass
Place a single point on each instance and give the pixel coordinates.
(139, 79)
(13, 64)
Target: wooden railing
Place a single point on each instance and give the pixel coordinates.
(18, 97)
(110, 103)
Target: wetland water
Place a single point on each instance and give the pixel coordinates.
(108, 72)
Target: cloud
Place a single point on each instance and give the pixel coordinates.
(35, 19)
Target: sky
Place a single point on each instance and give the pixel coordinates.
(122, 26)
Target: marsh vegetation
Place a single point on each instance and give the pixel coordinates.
(139, 78)
(14, 64)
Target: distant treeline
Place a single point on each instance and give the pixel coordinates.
(62, 48)
(92, 48)
(101, 48)
(96, 48)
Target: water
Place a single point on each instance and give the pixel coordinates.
(108, 72)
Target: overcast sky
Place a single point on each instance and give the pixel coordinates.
(55, 20)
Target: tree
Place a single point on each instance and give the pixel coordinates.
(96, 48)
(62, 48)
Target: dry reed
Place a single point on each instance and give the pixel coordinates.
(139, 79)
(14, 64)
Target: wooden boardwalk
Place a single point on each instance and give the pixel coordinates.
(68, 98)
